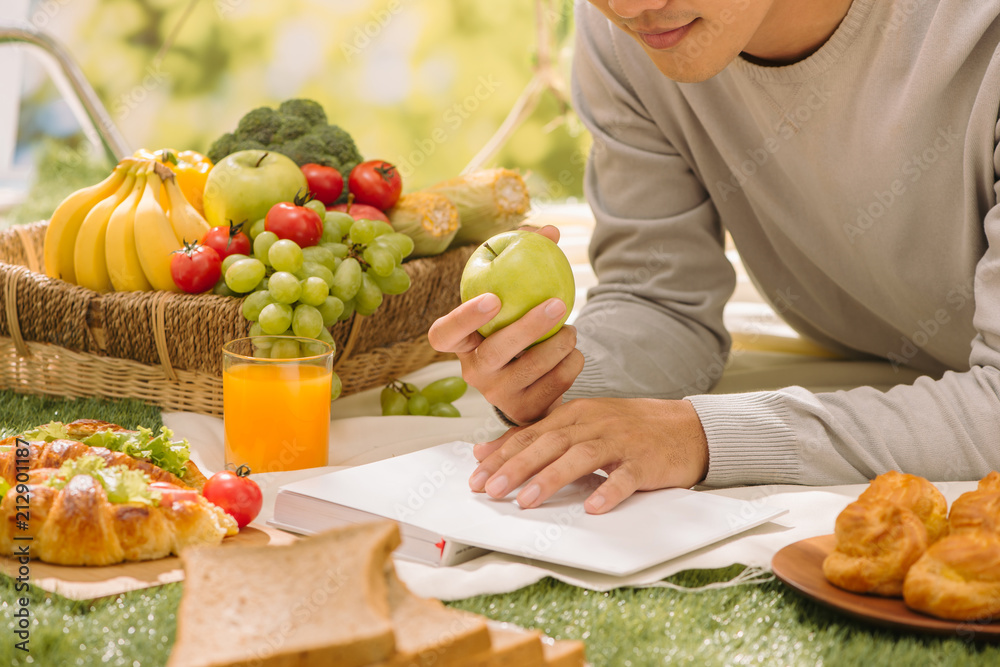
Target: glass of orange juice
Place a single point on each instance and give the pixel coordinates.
(276, 402)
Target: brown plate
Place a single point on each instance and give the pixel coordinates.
(800, 566)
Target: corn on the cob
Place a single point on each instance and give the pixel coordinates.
(429, 218)
(489, 201)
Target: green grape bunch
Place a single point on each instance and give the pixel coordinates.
(294, 291)
(435, 400)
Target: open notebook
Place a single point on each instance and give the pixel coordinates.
(442, 522)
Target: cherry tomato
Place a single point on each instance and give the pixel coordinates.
(228, 241)
(360, 212)
(195, 268)
(171, 493)
(375, 182)
(296, 223)
(235, 493)
(326, 183)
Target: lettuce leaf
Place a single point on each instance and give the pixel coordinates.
(160, 450)
(121, 484)
(46, 432)
(4, 487)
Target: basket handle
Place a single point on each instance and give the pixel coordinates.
(10, 308)
(160, 334)
(29, 249)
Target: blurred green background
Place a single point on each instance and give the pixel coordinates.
(421, 83)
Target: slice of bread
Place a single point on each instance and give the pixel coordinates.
(429, 633)
(513, 646)
(322, 600)
(563, 652)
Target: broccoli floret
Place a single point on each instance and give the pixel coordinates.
(304, 150)
(259, 125)
(308, 110)
(298, 129)
(292, 127)
(344, 154)
(222, 147)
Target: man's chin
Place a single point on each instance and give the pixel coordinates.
(687, 70)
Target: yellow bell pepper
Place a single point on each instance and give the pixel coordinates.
(190, 167)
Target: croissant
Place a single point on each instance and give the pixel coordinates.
(915, 494)
(78, 525)
(976, 510)
(54, 454)
(958, 578)
(876, 545)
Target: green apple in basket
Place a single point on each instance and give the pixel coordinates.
(244, 186)
(523, 269)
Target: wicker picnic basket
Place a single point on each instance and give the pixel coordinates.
(165, 347)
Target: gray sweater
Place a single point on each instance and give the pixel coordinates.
(859, 186)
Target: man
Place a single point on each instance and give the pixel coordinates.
(850, 149)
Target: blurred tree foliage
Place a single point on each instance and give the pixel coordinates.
(424, 84)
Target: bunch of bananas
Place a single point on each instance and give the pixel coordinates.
(118, 235)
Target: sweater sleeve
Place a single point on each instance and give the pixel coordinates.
(654, 321)
(944, 429)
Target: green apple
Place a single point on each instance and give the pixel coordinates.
(244, 186)
(523, 269)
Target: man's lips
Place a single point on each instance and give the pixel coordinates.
(665, 39)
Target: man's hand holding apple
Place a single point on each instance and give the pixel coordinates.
(525, 382)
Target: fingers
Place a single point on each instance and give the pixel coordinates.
(456, 331)
(621, 484)
(501, 347)
(548, 231)
(521, 455)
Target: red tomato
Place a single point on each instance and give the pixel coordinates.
(326, 183)
(228, 241)
(296, 223)
(375, 182)
(235, 493)
(171, 493)
(360, 212)
(195, 268)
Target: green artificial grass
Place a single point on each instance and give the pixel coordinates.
(763, 624)
(19, 412)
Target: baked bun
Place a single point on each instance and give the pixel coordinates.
(990, 483)
(975, 510)
(915, 494)
(876, 545)
(958, 578)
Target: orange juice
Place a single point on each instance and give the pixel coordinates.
(277, 416)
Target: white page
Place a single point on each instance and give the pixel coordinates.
(430, 489)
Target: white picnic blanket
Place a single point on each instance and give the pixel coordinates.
(359, 434)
